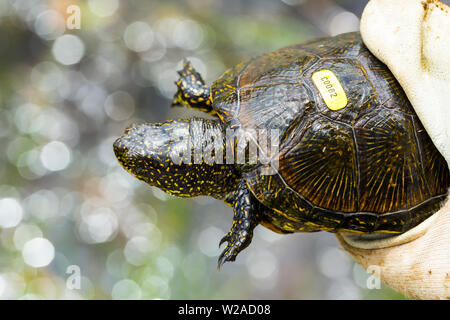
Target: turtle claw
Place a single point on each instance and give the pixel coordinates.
(222, 259)
(226, 238)
(236, 242)
(244, 221)
(228, 254)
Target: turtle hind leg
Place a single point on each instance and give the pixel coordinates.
(192, 90)
(245, 219)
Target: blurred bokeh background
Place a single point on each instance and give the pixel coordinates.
(65, 203)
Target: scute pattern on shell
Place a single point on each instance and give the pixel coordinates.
(369, 167)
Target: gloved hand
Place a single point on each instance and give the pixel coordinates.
(412, 37)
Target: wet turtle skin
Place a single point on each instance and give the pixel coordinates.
(353, 155)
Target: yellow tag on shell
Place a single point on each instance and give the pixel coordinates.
(330, 89)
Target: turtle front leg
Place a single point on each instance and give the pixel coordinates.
(192, 90)
(244, 221)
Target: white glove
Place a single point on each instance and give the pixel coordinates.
(412, 37)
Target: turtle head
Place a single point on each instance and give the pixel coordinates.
(164, 155)
(145, 150)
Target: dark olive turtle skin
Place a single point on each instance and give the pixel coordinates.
(362, 163)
